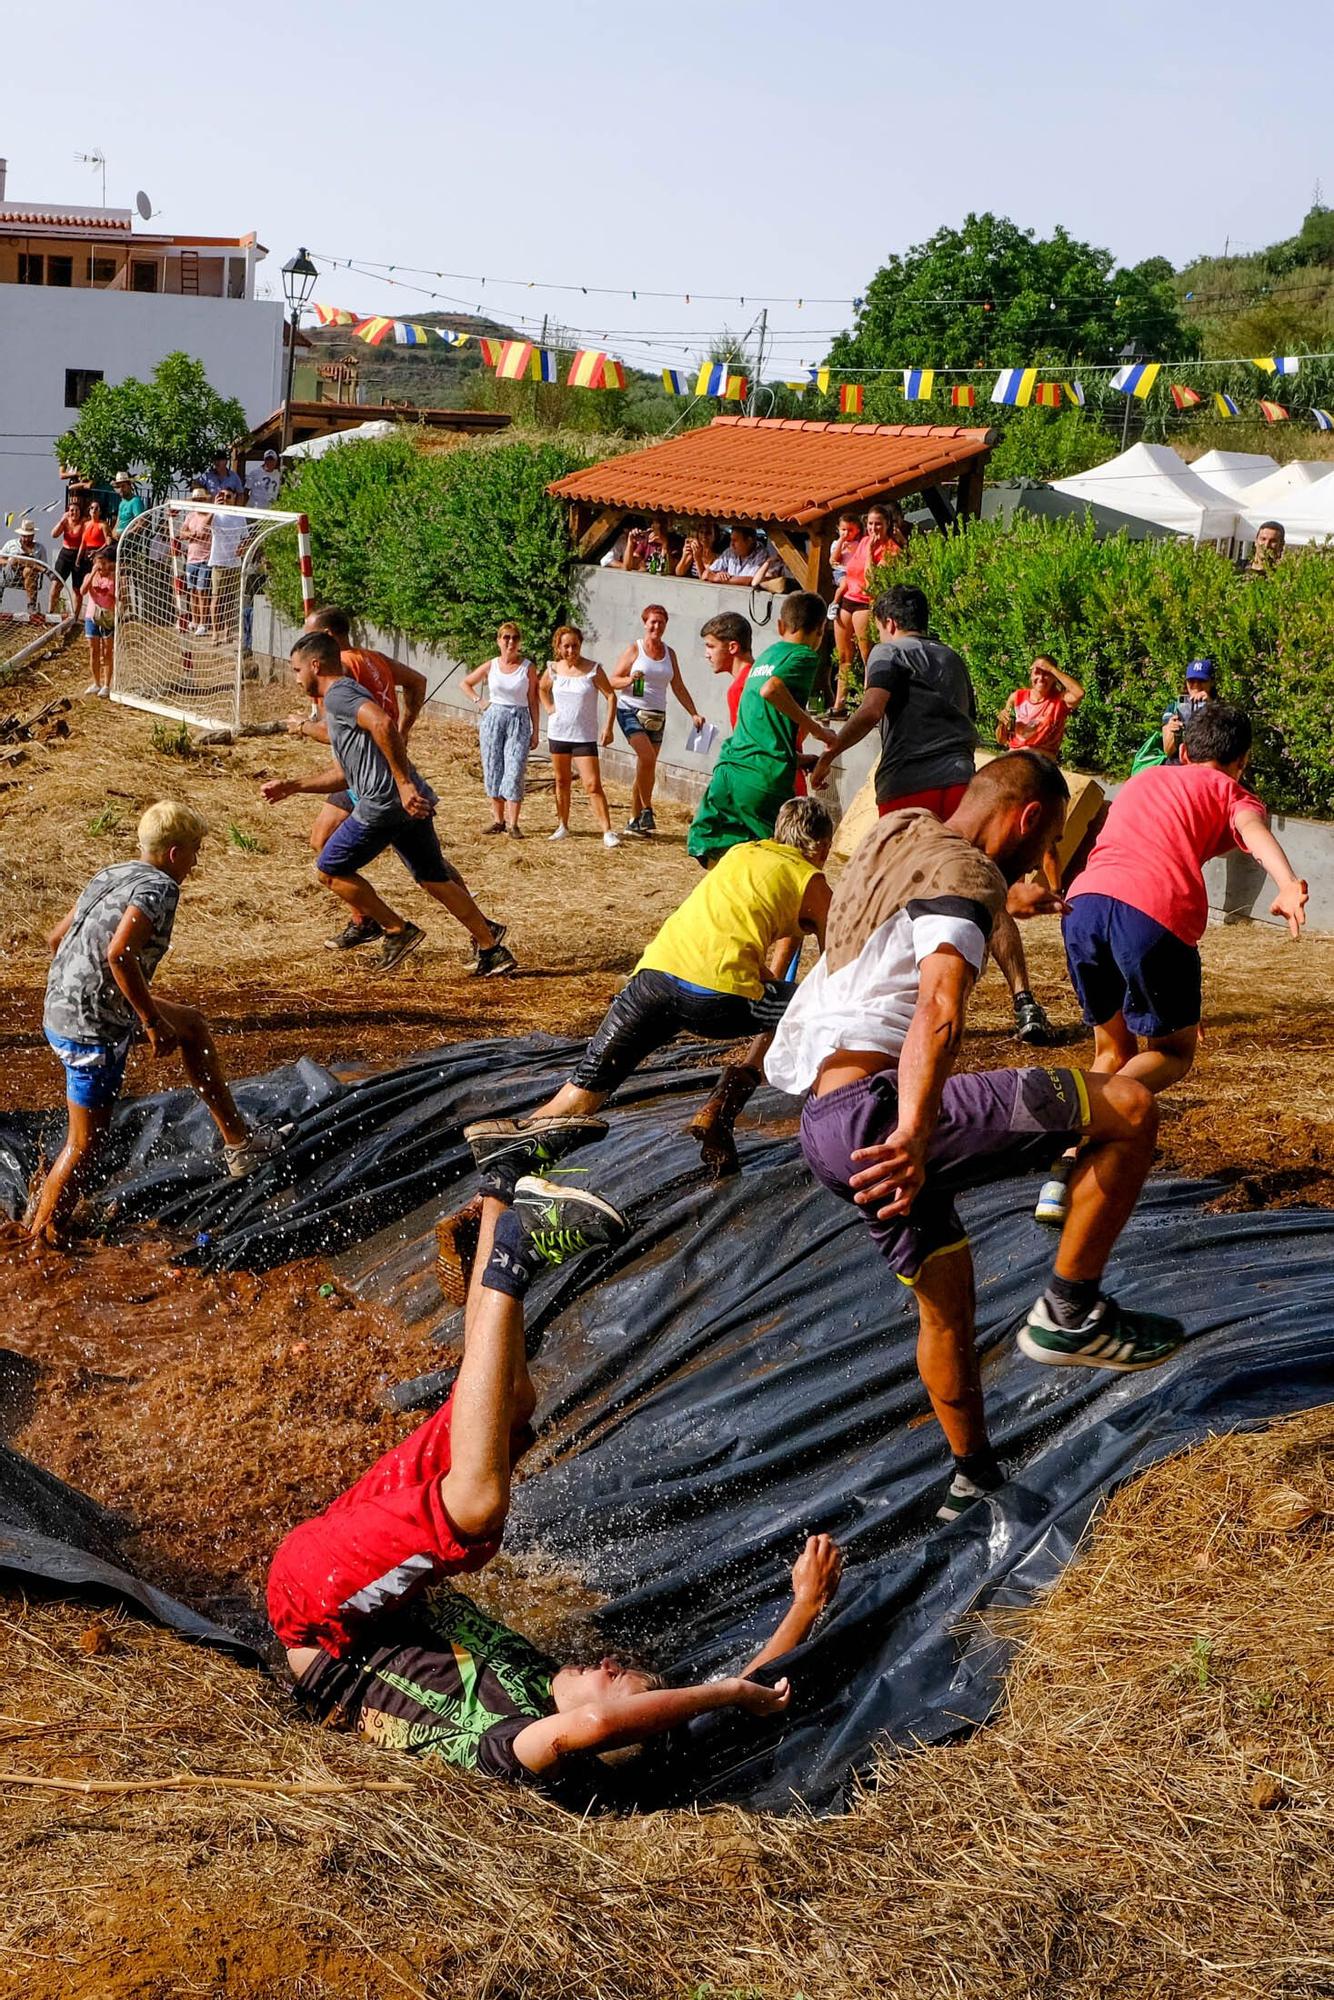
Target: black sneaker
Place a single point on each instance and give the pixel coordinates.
(1111, 1337)
(1031, 1023)
(398, 944)
(647, 823)
(359, 931)
(509, 1147)
(961, 1494)
(495, 960)
(498, 933)
(560, 1222)
(633, 825)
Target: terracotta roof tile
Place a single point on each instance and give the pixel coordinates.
(778, 468)
(55, 218)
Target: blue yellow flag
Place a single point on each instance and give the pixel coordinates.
(819, 379)
(1075, 391)
(1136, 378)
(713, 378)
(1015, 386)
(1277, 364)
(918, 384)
(1323, 420)
(1224, 404)
(545, 365)
(674, 382)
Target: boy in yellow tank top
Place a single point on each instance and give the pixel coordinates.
(718, 968)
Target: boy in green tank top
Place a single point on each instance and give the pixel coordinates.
(757, 765)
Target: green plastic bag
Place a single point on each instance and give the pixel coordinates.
(1150, 752)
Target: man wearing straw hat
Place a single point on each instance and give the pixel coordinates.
(22, 565)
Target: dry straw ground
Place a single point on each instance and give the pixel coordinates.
(1149, 1816)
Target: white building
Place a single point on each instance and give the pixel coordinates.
(86, 296)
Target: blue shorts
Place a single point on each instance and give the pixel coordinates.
(99, 624)
(197, 576)
(632, 724)
(94, 1071)
(351, 846)
(1122, 962)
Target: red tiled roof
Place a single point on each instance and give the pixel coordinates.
(778, 468)
(59, 218)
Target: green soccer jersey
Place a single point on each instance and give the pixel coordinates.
(762, 749)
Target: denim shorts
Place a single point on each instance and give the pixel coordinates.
(94, 1071)
(632, 724)
(197, 576)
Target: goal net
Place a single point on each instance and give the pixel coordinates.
(196, 636)
(36, 606)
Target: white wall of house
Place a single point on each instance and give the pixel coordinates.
(47, 330)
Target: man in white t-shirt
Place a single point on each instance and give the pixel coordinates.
(21, 565)
(263, 480)
(744, 561)
(226, 544)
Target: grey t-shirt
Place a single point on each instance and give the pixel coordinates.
(365, 766)
(83, 1001)
(930, 743)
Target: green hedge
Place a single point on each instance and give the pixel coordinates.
(440, 546)
(1124, 617)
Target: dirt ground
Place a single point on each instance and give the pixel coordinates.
(1106, 1833)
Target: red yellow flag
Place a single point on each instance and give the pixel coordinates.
(963, 396)
(490, 351)
(851, 396)
(1048, 394)
(1273, 413)
(514, 360)
(1184, 398)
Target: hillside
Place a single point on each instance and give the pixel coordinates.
(1273, 301)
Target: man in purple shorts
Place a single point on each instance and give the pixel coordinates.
(392, 806)
(873, 1035)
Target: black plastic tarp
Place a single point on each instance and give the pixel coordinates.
(740, 1372)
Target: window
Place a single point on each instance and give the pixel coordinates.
(143, 277)
(60, 270)
(78, 381)
(101, 270)
(32, 269)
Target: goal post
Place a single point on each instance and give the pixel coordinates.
(190, 576)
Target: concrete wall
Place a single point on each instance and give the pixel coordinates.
(46, 329)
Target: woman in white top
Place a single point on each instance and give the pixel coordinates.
(509, 726)
(569, 691)
(642, 678)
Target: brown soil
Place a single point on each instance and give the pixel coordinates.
(1102, 1836)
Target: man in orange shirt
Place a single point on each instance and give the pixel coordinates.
(382, 679)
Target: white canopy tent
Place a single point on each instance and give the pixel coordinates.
(1232, 472)
(1268, 499)
(359, 434)
(1151, 482)
(1306, 514)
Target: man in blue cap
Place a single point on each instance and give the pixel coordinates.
(1201, 686)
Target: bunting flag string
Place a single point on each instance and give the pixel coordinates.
(1323, 420)
(918, 384)
(1273, 413)
(674, 382)
(1224, 405)
(1075, 391)
(963, 396)
(819, 377)
(1047, 395)
(1184, 398)
(402, 332)
(851, 397)
(334, 316)
(513, 361)
(490, 350)
(1277, 364)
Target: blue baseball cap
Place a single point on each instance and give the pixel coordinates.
(1201, 670)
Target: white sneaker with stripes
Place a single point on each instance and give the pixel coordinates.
(1111, 1337)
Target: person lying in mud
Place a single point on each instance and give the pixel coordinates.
(99, 1002)
(719, 967)
(373, 1647)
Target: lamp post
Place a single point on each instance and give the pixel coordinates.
(299, 276)
(1130, 352)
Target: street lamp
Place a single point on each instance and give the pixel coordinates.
(1130, 352)
(299, 276)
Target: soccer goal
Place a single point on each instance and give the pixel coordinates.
(36, 607)
(197, 639)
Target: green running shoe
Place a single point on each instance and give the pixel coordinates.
(561, 1222)
(505, 1148)
(1111, 1337)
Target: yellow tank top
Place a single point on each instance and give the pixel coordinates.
(723, 932)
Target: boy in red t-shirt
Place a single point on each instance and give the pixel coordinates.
(730, 647)
(1139, 908)
(1034, 717)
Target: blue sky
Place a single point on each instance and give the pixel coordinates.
(689, 149)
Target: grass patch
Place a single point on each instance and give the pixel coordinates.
(172, 740)
(108, 821)
(241, 837)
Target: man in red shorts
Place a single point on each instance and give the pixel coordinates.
(350, 1594)
(873, 1035)
(919, 694)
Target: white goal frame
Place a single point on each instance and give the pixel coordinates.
(134, 559)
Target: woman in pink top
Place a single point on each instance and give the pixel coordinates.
(1034, 717)
(197, 534)
(885, 540)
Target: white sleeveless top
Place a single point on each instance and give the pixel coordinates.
(508, 690)
(574, 708)
(657, 680)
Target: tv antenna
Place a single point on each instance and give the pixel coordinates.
(97, 159)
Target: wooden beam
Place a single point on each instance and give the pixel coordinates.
(969, 501)
(796, 559)
(599, 533)
(820, 575)
(941, 511)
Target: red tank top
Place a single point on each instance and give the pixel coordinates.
(375, 673)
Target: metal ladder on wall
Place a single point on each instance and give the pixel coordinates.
(190, 274)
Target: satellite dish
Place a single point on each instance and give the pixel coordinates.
(144, 206)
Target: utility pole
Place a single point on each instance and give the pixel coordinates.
(752, 400)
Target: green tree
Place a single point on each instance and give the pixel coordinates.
(165, 429)
(991, 292)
